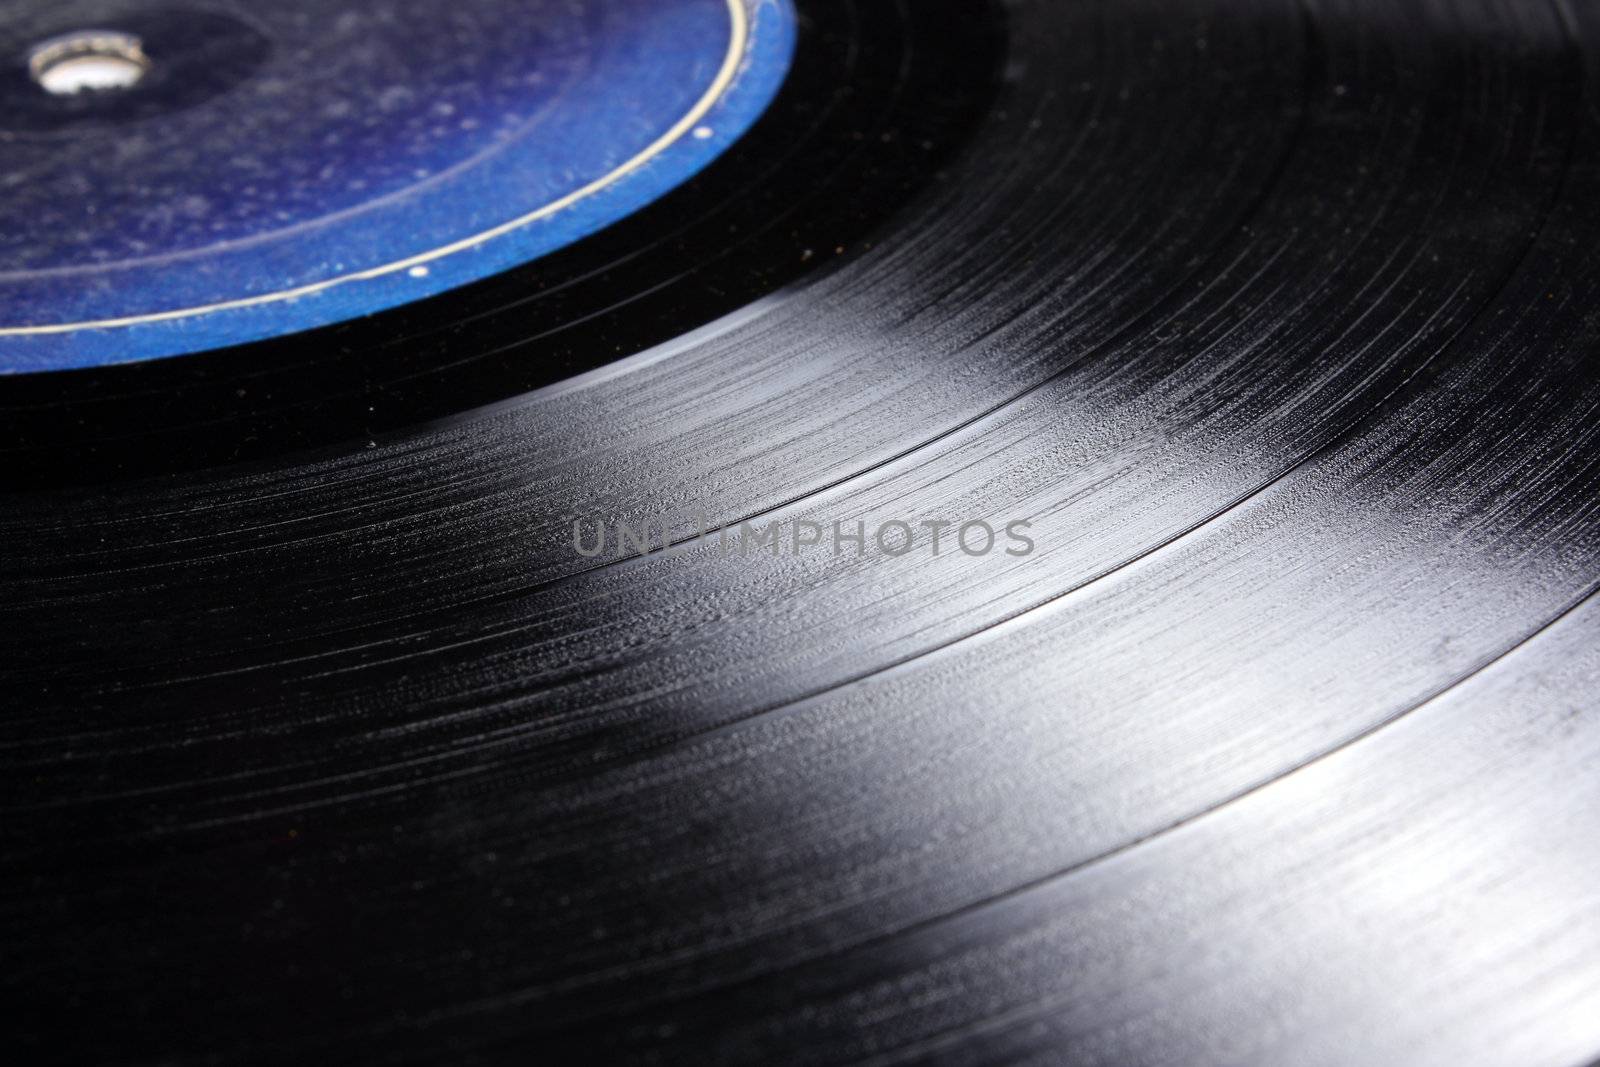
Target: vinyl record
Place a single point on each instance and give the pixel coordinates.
(1072, 539)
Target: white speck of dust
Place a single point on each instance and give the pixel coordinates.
(419, 271)
(703, 132)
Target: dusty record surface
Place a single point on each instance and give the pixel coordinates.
(1275, 322)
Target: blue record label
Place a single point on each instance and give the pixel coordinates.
(178, 179)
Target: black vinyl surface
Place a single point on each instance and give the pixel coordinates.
(1278, 321)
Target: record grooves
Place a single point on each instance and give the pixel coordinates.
(1243, 354)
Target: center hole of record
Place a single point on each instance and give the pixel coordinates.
(89, 61)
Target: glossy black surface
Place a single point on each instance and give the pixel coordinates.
(1278, 321)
